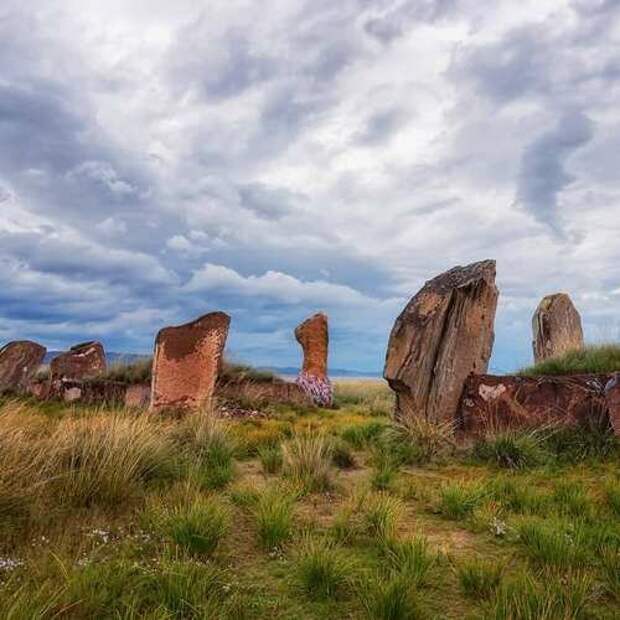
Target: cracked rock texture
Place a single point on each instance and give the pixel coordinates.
(444, 333)
(556, 327)
(186, 362)
(82, 361)
(19, 361)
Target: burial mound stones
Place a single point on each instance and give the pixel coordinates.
(83, 361)
(313, 336)
(186, 362)
(19, 361)
(556, 327)
(444, 333)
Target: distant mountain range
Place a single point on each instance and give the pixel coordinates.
(287, 371)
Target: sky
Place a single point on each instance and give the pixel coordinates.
(160, 160)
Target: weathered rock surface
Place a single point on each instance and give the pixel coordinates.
(19, 362)
(444, 333)
(492, 402)
(313, 336)
(556, 327)
(187, 361)
(612, 398)
(82, 361)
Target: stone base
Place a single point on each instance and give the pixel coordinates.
(493, 402)
(318, 389)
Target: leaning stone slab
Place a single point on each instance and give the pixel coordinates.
(83, 361)
(187, 361)
(556, 327)
(444, 333)
(492, 403)
(19, 361)
(313, 336)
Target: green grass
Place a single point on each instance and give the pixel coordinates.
(109, 514)
(270, 458)
(274, 518)
(479, 579)
(323, 569)
(514, 449)
(591, 359)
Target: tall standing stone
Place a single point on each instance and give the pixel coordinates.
(19, 362)
(556, 327)
(82, 361)
(313, 336)
(444, 333)
(187, 361)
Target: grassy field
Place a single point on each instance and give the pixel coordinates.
(603, 358)
(304, 513)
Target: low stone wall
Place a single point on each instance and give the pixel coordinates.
(492, 402)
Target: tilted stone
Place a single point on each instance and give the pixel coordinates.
(444, 333)
(556, 327)
(19, 361)
(83, 361)
(187, 361)
(313, 336)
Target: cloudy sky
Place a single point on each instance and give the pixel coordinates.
(159, 160)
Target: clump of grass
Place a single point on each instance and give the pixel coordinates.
(342, 456)
(307, 461)
(591, 359)
(391, 597)
(522, 598)
(385, 467)
(274, 518)
(479, 579)
(458, 500)
(323, 570)
(362, 435)
(380, 516)
(518, 496)
(271, 458)
(610, 568)
(589, 440)
(411, 558)
(427, 439)
(513, 449)
(570, 499)
(106, 458)
(554, 543)
(612, 495)
(209, 449)
(197, 527)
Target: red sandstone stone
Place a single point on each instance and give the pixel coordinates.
(82, 361)
(19, 362)
(612, 398)
(187, 361)
(492, 403)
(313, 336)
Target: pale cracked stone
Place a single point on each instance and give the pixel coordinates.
(556, 327)
(444, 333)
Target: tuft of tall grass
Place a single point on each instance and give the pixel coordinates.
(518, 496)
(479, 579)
(591, 440)
(106, 458)
(513, 449)
(271, 458)
(323, 570)
(522, 598)
(458, 500)
(570, 499)
(380, 516)
(610, 569)
(307, 461)
(391, 597)
(428, 439)
(612, 495)
(362, 435)
(274, 518)
(197, 527)
(342, 456)
(411, 558)
(209, 449)
(385, 467)
(591, 359)
(552, 542)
